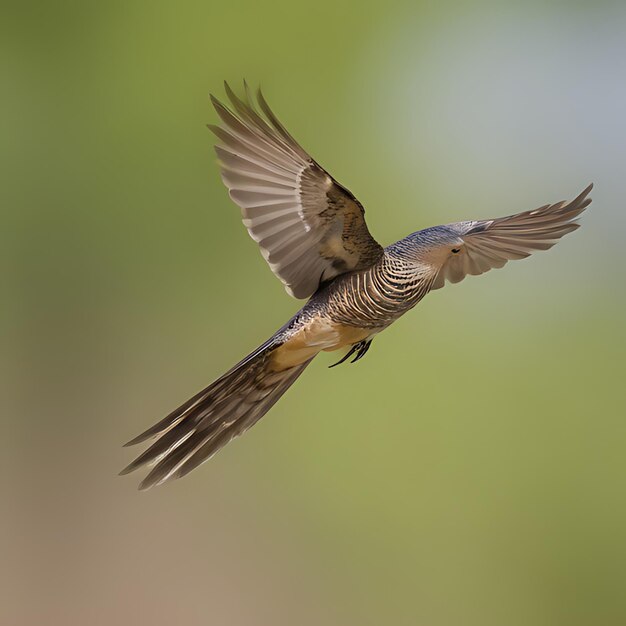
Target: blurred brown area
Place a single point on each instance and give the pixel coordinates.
(470, 470)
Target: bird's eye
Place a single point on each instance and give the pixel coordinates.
(456, 250)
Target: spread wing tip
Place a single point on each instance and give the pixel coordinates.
(582, 199)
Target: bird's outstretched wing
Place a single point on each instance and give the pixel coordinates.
(309, 227)
(477, 247)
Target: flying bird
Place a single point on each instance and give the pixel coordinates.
(311, 231)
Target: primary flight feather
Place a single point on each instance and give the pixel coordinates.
(312, 232)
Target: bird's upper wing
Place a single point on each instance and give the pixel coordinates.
(489, 244)
(309, 228)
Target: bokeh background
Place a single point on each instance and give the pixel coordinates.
(470, 470)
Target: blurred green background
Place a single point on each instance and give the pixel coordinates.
(470, 470)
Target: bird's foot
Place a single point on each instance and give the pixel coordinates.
(360, 348)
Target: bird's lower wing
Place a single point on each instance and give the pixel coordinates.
(489, 244)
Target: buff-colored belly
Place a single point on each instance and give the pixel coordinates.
(319, 334)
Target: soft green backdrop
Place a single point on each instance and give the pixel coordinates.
(470, 470)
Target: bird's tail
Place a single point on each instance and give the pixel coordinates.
(224, 410)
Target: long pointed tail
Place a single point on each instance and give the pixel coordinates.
(224, 410)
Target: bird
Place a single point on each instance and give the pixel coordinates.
(311, 230)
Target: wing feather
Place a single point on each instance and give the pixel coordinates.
(309, 228)
(488, 244)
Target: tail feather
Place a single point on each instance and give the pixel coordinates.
(192, 404)
(204, 424)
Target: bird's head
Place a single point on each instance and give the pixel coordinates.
(434, 246)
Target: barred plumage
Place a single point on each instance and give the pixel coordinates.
(312, 232)
(376, 297)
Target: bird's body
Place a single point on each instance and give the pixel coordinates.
(355, 307)
(312, 232)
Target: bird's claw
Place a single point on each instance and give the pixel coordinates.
(360, 348)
